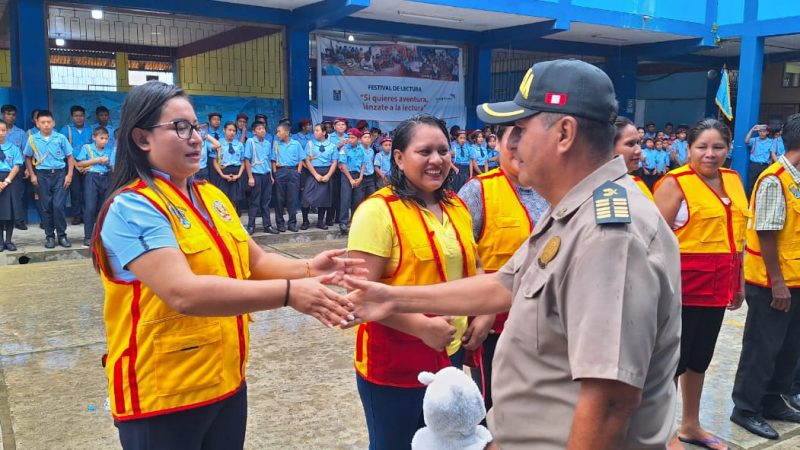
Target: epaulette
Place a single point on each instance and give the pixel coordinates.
(611, 204)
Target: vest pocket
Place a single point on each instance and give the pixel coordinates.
(504, 246)
(698, 277)
(194, 244)
(188, 360)
(709, 224)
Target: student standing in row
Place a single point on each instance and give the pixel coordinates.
(78, 136)
(368, 184)
(678, 149)
(762, 151)
(461, 152)
(51, 155)
(228, 164)
(104, 120)
(351, 165)
(383, 162)
(242, 134)
(17, 137)
(96, 161)
(305, 134)
(480, 156)
(258, 157)
(10, 168)
(494, 155)
(289, 159)
(322, 163)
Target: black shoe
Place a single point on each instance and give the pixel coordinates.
(50, 242)
(10, 246)
(329, 223)
(20, 226)
(755, 425)
(87, 242)
(293, 228)
(281, 228)
(270, 230)
(793, 401)
(343, 228)
(322, 226)
(64, 242)
(250, 229)
(304, 225)
(785, 414)
(76, 221)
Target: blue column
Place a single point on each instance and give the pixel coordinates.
(622, 71)
(748, 98)
(298, 64)
(479, 83)
(34, 67)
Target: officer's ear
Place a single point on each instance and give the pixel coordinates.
(141, 138)
(567, 129)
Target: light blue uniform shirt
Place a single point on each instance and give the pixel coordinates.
(322, 154)
(650, 157)
(13, 157)
(79, 137)
(112, 141)
(493, 154)
(288, 153)
(480, 155)
(369, 160)
(238, 137)
(52, 151)
(761, 149)
(17, 136)
(462, 153)
(779, 147)
(218, 133)
(384, 162)
(335, 139)
(303, 139)
(352, 157)
(261, 158)
(84, 154)
(680, 148)
(232, 153)
(204, 150)
(662, 160)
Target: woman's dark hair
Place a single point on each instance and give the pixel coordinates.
(621, 123)
(141, 109)
(708, 124)
(402, 137)
(323, 129)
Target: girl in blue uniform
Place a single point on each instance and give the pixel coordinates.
(228, 164)
(460, 153)
(494, 155)
(322, 161)
(649, 165)
(480, 155)
(10, 166)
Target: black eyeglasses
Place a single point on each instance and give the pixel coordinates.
(183, 128)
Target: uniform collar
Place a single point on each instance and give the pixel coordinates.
(581, 192)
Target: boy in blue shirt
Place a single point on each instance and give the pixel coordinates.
(96, 161)
(17, 136)
(679, 149)
(287, 166)
(258, 157)
(351, 163)
(383, 162)
(78, 136)
(650, 158)
(10, 168)
(762, 151)
(104, 120)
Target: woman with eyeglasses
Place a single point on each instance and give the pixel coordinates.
(321, 162)
(228, 163)
(181, 275)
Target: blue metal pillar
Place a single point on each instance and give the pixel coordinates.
(297, 76)
(748, 98)
(479, 82)
(622, 71)
(34, 67)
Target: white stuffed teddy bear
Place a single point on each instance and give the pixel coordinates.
(453, 409)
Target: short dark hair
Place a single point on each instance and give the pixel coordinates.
(8, 108)
(76, 108)
(257, 124)
(100, 130)
(708, 124)
(791, 133)
(285, 125)
(44, 113)
(101, 109)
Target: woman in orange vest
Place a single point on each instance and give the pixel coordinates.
(628, 145)
(706, 206)
(181, 275)
(413, 232)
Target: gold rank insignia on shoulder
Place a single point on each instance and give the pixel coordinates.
(611, 204)
(549, 251)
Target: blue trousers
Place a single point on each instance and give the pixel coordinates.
(287, 188)
(393, 414)
(52, 201)
(260, 196)
(218, 426)
(95, 188)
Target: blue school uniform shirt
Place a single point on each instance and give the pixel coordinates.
(303, 139)
(335, 139)
(232, 153)
(260, 154)
(680, 148)
(650, 158)
(462, 153)
(352, 157)
(322, 154)
(369, 160)
(52, 150)
(480, 154)
(205, 149)
(779, 147)
(288, 153)
(761, 149)
(218, 133)
(17, 136)
(493, 154)
(238, 137)
(90, 151)
(662, 160)
(79, 137)
(11, 157)
(384, 162)
(112, 141)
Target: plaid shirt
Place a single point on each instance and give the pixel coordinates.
(770, 207)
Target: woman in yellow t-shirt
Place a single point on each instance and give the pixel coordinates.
(413, 232)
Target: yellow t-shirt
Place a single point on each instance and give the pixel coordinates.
(376, 236)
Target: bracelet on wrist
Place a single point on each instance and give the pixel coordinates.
(308, 269)
(288, 290)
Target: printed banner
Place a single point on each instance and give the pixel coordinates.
(389, 82)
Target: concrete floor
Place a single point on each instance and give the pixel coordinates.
(302, 392)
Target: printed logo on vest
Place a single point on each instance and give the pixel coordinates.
(220, 209)
(181, 215)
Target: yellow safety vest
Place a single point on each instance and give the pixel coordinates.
(384, 355)
(645, 190)
(788, 239)
(160, 361)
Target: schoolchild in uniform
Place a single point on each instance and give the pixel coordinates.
(678, 149)
(368, 184)
(650, 163)
(780, 149)
(10, 168)
(322, 160)
(50, 153)
(383, 162)
(662, 162)
(305, 133)
(96, 161)
(494, 155)
(258, 157)
(242, 133)
(376, 134)
(762, 151)
(460, 153)
(454, 134)
(480, 156)
(338, 137)
(351, 164)
(228, 164)
(103, 116)
(216, 131)
(289, 157)
(17, 136)
(209, 146)
(78, 136)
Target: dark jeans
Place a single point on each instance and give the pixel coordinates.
(349, 197)
(218, 426)
(22, 194)
(287, 187)
(260, 196)
(333, 212)
(76, 193)
(52, 201)
(770, 349)
(95, 188)
(393, 414)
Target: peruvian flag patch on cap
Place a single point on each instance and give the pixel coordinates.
(552, 98)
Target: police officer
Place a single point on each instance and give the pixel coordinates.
(590, 348)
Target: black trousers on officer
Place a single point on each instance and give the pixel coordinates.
(95, 188)
(76, 193)
(52, 201)
(770, 349)
(349, 197)
(287, 189)
(260, 196)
